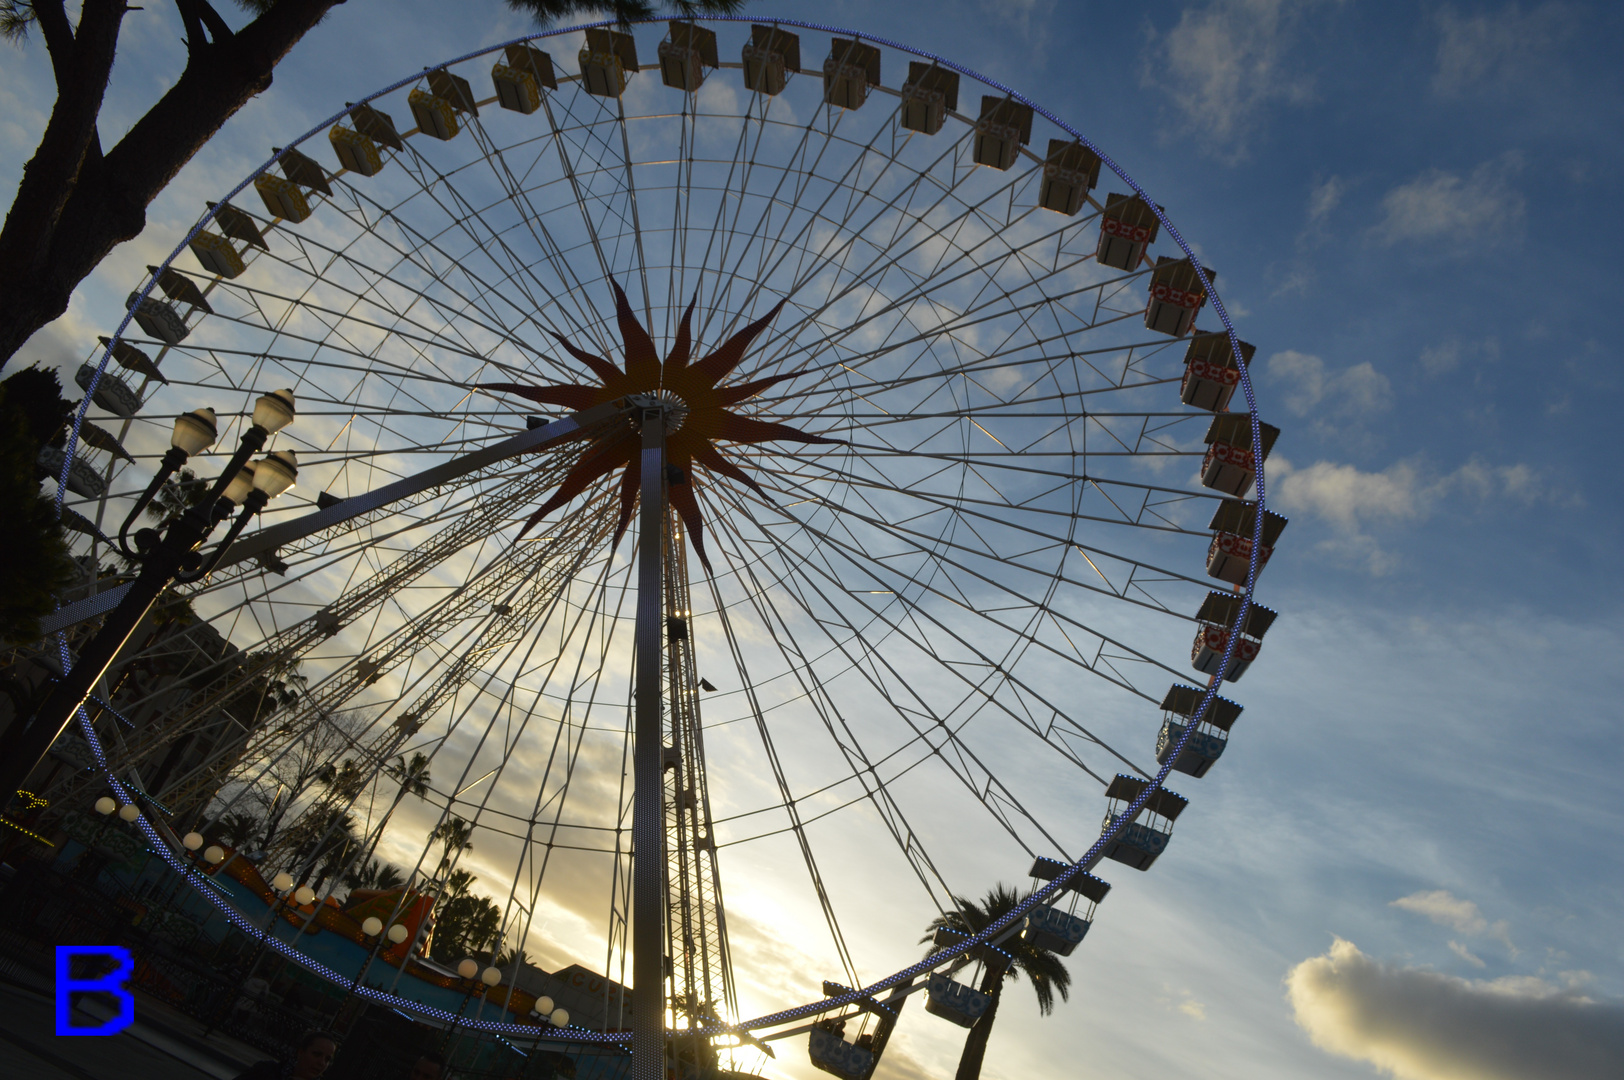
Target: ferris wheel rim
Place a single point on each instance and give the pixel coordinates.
(992, 932)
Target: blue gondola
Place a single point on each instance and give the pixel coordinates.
(112, 393)
(954, 1001)
(833, 1054)
(158, 319)
(1141, 841)
(1211, 733)
(1049, 927)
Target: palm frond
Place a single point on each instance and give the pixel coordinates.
(16, 16)
(1045, 970)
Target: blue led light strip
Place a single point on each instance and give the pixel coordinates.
(994, 933)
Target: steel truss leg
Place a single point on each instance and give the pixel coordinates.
(648, 818)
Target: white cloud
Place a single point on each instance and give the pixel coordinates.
(1347, 497)
(1445, 909)
(1357, 389)
(1024, 16)
(1441, 358)
(1223, 63)
(1466, 954)
(897, 1064)
(1421, 1025)
(1442, 208)
(1325, 197)
(1486, 47)
(1352, 500)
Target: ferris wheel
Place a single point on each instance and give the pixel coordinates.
(760, 445)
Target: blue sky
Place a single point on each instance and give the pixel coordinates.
(1411, 209)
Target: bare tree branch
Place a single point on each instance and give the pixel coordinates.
(74, 205)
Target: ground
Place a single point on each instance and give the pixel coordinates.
(160, 1045)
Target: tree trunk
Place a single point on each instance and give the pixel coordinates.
(75, 204)
(975, 1043)
(377, 834)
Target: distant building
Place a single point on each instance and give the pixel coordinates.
(592, 1000)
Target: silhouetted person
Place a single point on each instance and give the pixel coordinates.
(314, 1053)
(427, 1067)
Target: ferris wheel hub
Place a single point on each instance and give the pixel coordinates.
(673, 409)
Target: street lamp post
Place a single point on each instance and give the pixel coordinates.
(91, 860)
(468, 971)
(163, 560)
(372, 927)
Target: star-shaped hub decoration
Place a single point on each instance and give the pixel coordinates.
(698, 417)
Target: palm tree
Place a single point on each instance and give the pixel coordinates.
(318, 844)
(453, 834)
(239, 828)
(1041, 967)
(179, 494)
(345, 780)
(414, 779)
(375, 874)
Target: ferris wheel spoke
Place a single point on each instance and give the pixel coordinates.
(1146, 515)
(553, 252)
(285, 645)
(861, 768)
(966, 509)
(963, 321)
(1015, 360)
(889, 257)
(815, 587)
(740, 171)
(888, 581)
(515, 269)
(884, 679)
(820, 257)
(1015, 461)
(482, 288)
(419, 336)
(732, 268)
(849, 748)
(560, 145)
